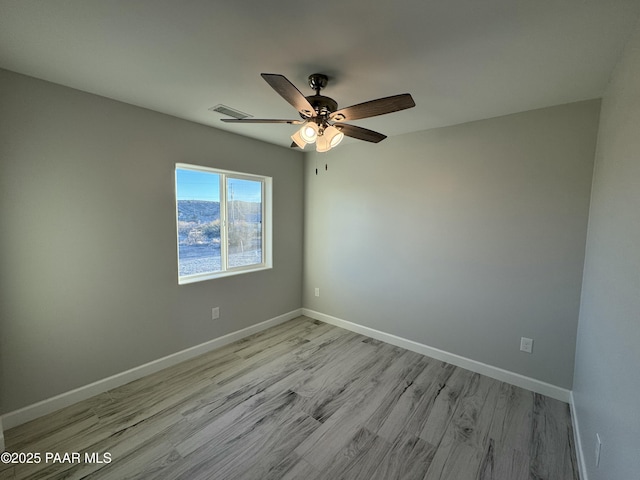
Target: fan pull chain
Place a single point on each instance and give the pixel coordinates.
(326, 166)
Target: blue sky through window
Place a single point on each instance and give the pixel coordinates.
(196, 185)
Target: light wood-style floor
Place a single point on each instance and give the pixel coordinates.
(307, 400)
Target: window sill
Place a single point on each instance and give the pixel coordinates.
(201, 277)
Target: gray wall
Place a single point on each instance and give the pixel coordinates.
(463, 238)
(607, 379)
(88, 277)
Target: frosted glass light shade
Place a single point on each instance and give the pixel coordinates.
(297, 139)
(333, 135)
(322, 144)
(309, 132)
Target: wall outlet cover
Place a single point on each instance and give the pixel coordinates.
(526, 344)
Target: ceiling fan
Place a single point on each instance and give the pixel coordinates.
(321, 119)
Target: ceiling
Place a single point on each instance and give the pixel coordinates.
(462, 60)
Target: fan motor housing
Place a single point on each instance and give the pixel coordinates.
(324, 106)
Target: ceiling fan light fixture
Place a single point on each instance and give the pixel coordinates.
(309, 132)
(319, 113)
(297, 139)
(333, 135)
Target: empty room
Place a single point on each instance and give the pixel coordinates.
(343, 240)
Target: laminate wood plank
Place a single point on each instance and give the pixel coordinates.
(222, 398)
(7, 471)
(551, 451)
(436, 416)
(119, 415)
(388, 406)
(461, 451)
(342, 381)
(153, 456)
(276, 465)
(120, 442)
(56, 425)
(242, 458)
(320, 329)
(510, 433)
(151, 438)
(359, 459)
(508, 464)
(299, 469)
(289, 332)
(337, 368)
(299, 350)
(268, 347)
(270, 424)
(307, 400)
(322, 446)
(207, 365)
(409, 458)
(180, 384)
(266, 356)
(411, 410)
(235, 421)
(75, 442)
(512, 424)
(152, 459)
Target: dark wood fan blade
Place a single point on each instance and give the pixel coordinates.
(294, 145)
(260, 120)
(290, 93)
(373, 108)
(360, 133)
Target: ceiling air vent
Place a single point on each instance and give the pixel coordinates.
(231, 112)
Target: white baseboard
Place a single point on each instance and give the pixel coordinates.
(31, 412)
(577, 439)
(512, 378)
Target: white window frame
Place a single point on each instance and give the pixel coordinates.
(266, 215)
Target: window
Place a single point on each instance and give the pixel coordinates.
(224, 223)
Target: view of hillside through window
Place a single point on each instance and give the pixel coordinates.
(201, 228)
(244, 219)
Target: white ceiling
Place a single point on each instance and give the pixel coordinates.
(462, 60)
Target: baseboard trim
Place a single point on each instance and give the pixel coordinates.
(512, 378)
(577, 439)
(31, 412)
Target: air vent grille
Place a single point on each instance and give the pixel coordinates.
(231, 112)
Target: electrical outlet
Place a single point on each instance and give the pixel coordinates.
(317, 292)
(526, 344)
(598, 448)
(215, 313)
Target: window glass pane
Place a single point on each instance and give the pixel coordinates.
(244, 216)
(198, 197)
